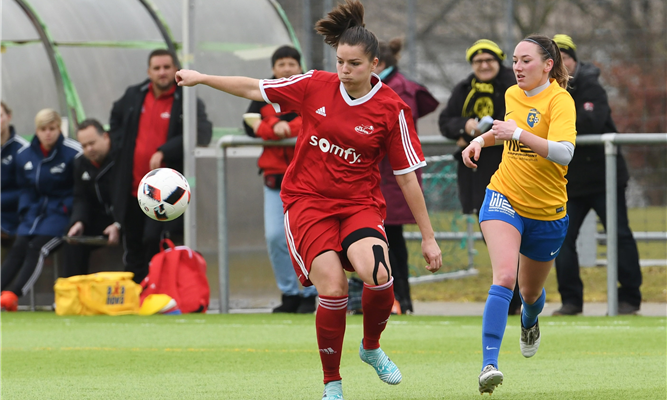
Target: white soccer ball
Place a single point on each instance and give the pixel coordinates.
(163, 194)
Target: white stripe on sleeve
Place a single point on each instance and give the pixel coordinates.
(276, 106)
(276, 83)
(410, 152)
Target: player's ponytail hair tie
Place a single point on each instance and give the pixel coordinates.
(345, 25)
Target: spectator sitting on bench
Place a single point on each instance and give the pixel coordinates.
(44, 170)
(11, 144)
(92, 211)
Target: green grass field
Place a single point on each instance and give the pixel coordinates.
(264, 356)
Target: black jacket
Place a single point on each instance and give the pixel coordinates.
(123, 127)
(472, 183)
(586, 172)
(92, 194)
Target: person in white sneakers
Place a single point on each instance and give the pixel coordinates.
(524, 216)
(334, 209)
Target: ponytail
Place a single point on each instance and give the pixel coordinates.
(549, 50)
(559, 72)
(345, 25)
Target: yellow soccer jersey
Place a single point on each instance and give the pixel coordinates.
(535, 186)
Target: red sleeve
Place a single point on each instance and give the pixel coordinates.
(403, 146)
(285, 94)
(265, 128)
(269, 119)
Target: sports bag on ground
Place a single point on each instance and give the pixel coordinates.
(109, 293)
(180, 273)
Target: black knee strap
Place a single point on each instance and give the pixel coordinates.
(378, 253)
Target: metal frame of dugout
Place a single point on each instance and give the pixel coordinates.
(610, 141)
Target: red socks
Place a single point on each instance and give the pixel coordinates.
(376, 302)
(330, 326)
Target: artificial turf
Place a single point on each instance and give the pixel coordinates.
(269, 356)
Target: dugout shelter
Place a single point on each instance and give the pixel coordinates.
(79, 56)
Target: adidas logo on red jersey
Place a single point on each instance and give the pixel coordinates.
(321, 111)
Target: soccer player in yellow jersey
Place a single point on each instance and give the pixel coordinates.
(524, 217)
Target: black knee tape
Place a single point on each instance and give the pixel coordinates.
(378, 253)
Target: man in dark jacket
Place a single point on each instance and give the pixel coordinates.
(146, 126)
(586, 190)
(92, 211)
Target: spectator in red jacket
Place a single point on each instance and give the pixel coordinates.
(422, 102)
(285, 62)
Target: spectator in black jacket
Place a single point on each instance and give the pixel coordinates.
(479, 95)
(147, 124)
(586, 190)
(92, 211)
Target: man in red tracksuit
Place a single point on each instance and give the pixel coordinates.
(285, 62)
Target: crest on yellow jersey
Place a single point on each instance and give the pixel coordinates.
(534, 118)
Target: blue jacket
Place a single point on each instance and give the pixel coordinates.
(47, 187)
(10, 190)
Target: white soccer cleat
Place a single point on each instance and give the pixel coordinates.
(489, 379)
(530, 340)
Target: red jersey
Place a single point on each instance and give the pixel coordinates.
(152, 132)
(342, 140)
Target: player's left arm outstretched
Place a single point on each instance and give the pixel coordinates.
(415, 199)
(240, 86)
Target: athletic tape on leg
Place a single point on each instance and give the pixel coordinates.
(378, 253)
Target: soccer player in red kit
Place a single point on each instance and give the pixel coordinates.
(334, 209)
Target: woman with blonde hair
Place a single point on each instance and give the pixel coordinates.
(45, 175)
(334, 209)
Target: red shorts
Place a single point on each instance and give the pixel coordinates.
(313, 227)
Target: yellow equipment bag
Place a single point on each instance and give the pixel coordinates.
(108, 293)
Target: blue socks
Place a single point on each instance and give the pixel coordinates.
(531, 311)
(494, 323)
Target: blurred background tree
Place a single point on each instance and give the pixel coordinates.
(627, 39)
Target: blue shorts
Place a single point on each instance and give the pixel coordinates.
(540, 240)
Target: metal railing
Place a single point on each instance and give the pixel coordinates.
(610, 141)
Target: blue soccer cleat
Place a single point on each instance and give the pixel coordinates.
(333, 391)
(386, 369)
